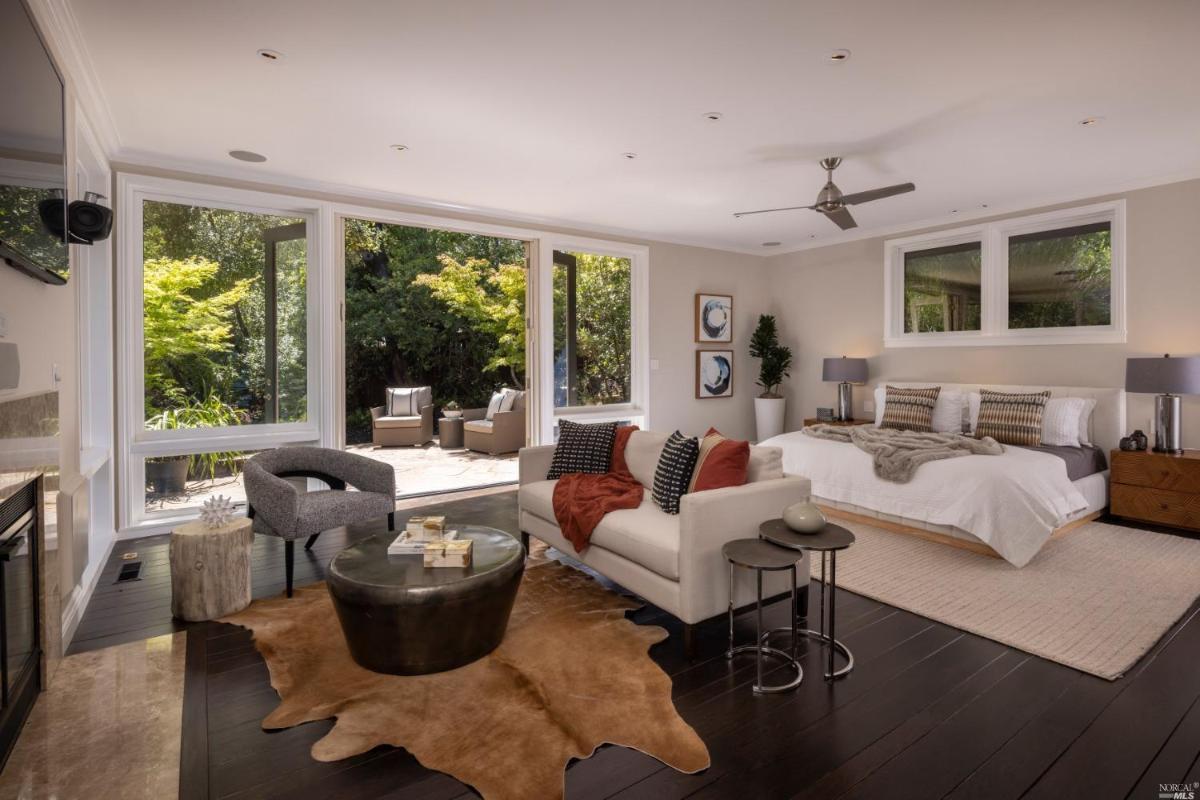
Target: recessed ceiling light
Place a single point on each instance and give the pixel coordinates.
(1091, 121)
(247, 155)
(629, 156)
(270, 55)
(712, 116)
(399, 148)
(771, 244)
(839, 55)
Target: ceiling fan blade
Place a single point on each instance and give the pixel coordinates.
(877, 194)
(842, 218)
(769, 210)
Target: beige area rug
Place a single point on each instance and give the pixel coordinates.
(571, 674)
(108, 726)
(1096, 599)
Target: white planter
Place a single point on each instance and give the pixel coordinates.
(768, 416)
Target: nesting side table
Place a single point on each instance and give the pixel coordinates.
(827, 542)
(761, 557)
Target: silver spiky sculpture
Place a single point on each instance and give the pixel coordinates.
(217, 511)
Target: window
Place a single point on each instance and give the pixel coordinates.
(1045, 279)
(592, 333)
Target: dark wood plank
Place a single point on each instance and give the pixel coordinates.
(193, 759)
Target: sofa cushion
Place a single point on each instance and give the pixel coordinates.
(478, 426)
(398, 422)
(674, 471)
(722, 462)
(644, 535)
(766, 464)
(582, 448)
(642, 453)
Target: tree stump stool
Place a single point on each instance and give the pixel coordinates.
(210, 569)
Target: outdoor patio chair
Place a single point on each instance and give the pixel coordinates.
(405, 419)
(502, 432)
(280, 508)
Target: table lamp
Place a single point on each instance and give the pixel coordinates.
(1168, 378)
(845, 371)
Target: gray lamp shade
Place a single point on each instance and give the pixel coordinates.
(1164, 375)
(850, 370)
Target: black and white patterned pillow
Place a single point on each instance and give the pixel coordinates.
(582, 448)
(674, 471)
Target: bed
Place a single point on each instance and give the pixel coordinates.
(1008, 505)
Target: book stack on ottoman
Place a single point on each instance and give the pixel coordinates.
(427, 537)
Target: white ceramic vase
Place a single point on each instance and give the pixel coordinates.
(768, 416)
(804, 517)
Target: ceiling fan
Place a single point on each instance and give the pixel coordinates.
(832, 203)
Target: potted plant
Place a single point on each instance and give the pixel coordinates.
(776, 362)
(167, 475)
(452, 410)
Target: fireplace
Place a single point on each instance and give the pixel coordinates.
(20, 618)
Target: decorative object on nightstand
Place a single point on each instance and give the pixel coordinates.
(769, 406)
(845, 371)
(825, 414)
(1168, 378)
(1158, 488)
(804, 517)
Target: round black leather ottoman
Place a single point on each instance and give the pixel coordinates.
(403, 618)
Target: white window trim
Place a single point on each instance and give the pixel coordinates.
(993, 238)
(135, 442)
(639, 320)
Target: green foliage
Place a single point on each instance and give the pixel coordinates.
(776, 358)
(493, 300)
(603, 334)
(211, 412)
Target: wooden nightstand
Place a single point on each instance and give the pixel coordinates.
(838, 422)
(1158, 488)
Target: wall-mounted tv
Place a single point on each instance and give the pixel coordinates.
(33, 174)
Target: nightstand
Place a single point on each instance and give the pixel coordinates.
(1159, 488)
(838, 422)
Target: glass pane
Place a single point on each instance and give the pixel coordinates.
(1060, 278)
(942, 288)
(426, 307)
(592, 334)
(224, 317)
(183, 483)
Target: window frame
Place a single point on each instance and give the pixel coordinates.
(994, 245)
(137, 443)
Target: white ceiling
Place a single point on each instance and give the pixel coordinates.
(526, 107)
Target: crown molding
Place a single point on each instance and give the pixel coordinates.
(58, 26)
(1097, 194)
(131, 160)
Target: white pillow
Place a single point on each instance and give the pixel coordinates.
(973, 401)
(947, 409)
(1085, 420)
(494, 405)
(401, 402)
(510, 397)
(1060, 421)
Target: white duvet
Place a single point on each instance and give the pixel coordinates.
(1011, 502)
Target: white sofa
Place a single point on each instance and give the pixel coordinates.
(672, 560)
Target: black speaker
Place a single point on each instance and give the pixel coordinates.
(53, 212)
(89, 221)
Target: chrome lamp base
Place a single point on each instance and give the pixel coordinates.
(845, 403)
(1168, 424)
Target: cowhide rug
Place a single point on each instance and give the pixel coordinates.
(571, 674)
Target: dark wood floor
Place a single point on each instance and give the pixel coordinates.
(929, 712)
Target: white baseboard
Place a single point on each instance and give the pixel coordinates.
(75, 605)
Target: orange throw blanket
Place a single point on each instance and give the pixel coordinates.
(581, 500)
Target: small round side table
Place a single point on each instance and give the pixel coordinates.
(450, 433)
(763, 557)
(828, 541)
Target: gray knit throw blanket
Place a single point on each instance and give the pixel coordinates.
(897, 454)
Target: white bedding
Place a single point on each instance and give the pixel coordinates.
(1011, 502)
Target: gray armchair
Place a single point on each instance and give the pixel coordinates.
(414, 427)
(279, 508)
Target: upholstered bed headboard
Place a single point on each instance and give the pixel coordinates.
(1108, 420)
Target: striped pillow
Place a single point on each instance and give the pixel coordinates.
(909, 409)
(1011, 418)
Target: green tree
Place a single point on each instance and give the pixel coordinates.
(776, 358)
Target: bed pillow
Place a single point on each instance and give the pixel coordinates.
(1011, 418)
(674, 471)
(582, 448)
(721, 462)
(1085, 420)
(1060, 421)
(948, 412)
(909, 409)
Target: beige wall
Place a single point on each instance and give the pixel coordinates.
(830, 302)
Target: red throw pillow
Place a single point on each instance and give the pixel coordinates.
(722, 463)
(618, 454)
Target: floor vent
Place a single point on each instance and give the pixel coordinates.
(130, 572)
